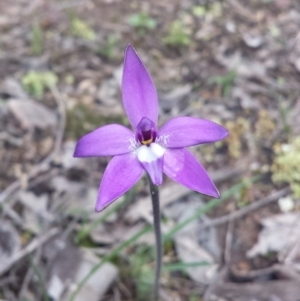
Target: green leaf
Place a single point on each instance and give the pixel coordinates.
(210, 205)
(178, 35)
(142, 22)
(199, 11)
(37, 39)
(182, 266)
(35, 82)
(109, 256)
(85, 230)
(81, 29)
(226, 82)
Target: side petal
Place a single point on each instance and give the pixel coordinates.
(188, 131)
(121, 173)
(181, 166)
(138, 91)
(109, 140)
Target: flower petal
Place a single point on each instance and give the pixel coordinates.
(138, 91)
(151, 157)
(121, 173)
(188, 131)
(181, 166)
(109, 140)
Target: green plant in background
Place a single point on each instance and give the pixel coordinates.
(81, 29)
(216, 10)
(194, 297)
(82, 119)
(141, 272)
(35, 82)
(37, 38)
(109, 48)
(69, 79)
(205, 209)
(237, 130)
(110, 256)
(178, 35)
(142, 22)
(274, 31)
(86, 229)
(42, 285)
(182, 266)
(210, 205)
(283, 108)
(212, 11)
(226, 82)
(199, 11)
(286, 165)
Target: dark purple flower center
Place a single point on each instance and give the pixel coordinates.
(146, 131)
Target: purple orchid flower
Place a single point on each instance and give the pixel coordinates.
(148, 148)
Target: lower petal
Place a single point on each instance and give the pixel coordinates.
(121, 173)
(151, 157)
(181, 166)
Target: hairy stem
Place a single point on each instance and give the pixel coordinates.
(159, 247)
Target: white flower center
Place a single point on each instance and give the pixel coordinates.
(150, 153)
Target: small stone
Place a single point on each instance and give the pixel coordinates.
(286, 204)
(252, 41)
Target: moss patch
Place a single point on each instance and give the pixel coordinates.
(286, 166)
(82, 119)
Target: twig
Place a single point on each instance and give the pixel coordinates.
(28, 276)
(287, 271)
(245, 210)
(9, 190)
(8, 211)
(69, 4)
(33, 245)
(112, 254)
(12, 188)
(172, 192)
(294, 249)
(218, 278)
(7, 280)
(117, 295)
(62, 113)
(124, 290)
(7, 208)
(25, 283)
(11, 139)
(44, 165)
(228, 243)
(243, 11)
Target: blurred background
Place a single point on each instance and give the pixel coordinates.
(234, 62)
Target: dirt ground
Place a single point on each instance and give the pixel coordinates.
(234, 62)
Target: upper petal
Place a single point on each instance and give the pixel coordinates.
(109, 140)
(121, 173)
(138, 91)
(188, 131)
(181, 166)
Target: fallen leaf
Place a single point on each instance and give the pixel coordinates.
(31, 114)
(10, 242)
(280, 233)
(97, 285)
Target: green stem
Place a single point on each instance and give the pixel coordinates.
(158, 238)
